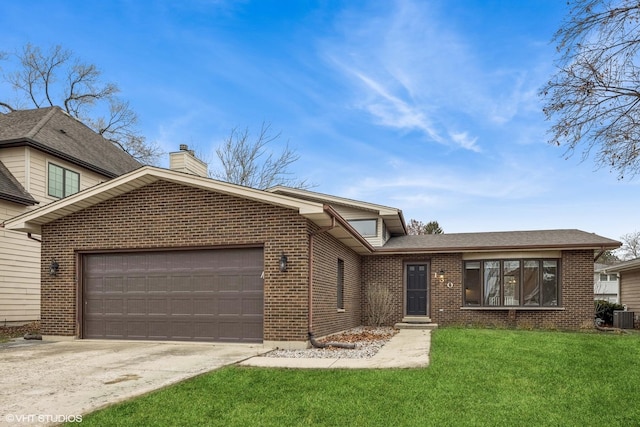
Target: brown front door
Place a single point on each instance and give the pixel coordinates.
(417, 289)
(199, 295)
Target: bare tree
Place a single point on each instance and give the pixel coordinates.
(630, 248)
(246, 160)
(593, 98)
(607, 257)
(57, 77)
(416, 227)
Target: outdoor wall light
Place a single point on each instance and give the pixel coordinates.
(283, 262)
(54, 267)
(439, 276)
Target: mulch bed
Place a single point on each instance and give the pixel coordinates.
(362, 335)
(19, 331)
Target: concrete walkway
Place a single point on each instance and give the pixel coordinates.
(409, 348)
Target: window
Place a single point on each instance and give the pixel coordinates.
(366, 227)
(340, 287)
(511, 283)
(62, 182)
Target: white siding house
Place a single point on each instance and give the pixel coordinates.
(37, 148)
(606, 284)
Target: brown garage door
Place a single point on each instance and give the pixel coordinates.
(202, 295)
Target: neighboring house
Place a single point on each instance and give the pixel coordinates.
(629, 274)
(605, 284)
(45, 155)
(162, 255)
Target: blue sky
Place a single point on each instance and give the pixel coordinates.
(427, 106)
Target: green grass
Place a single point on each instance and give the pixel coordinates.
(476, 377)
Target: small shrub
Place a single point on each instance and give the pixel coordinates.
(549, 325)
(604, 310)
(525, 325)
(379, 305)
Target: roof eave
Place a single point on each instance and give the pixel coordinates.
(33, 220)
(625, 266)
(459, 249)
(21, 142)
(350, 237)
(19, 200)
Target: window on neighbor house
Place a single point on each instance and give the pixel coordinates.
(62, 182)
(366, 227)
(340, 286)
(511, 283)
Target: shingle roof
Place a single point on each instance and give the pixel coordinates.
(10, 188)
(630, 265)
(464, 242)
(54, 131)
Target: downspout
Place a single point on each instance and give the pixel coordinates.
(312, 339)
(29, 235)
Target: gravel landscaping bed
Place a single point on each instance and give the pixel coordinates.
(368, 341)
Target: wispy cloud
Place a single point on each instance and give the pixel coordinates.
(415, 72)
(394, 112)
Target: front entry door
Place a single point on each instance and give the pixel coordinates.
(417, 289)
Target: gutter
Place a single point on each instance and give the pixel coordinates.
(20, 200)
(456, 249)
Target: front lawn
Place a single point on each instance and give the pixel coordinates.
(476, 377)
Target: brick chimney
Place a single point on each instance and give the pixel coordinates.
(186, 161)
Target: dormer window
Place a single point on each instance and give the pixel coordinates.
(366, 227)
(62, 182)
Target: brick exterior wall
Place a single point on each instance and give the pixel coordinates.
(326, 317)
(445, 303)
(167, 215)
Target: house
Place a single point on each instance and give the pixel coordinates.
(629, 274)
(45, 155)
(605, 284)
(158, 254)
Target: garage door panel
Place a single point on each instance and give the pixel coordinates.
(157, 329)
(113, 263)
(212, 295)
(203, 283)
(252, 305)
(136, 306)
(252, 283)
(158, 284)
(229, 305)
(112, 284)
(181, 306)
(157, 306)
(204, 307)
(185, 329)
(114, 306)
(136, 329)
(136, 284)
(94, 306)
(114, 328)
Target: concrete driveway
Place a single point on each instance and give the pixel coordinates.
(70, 378)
